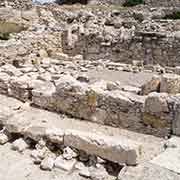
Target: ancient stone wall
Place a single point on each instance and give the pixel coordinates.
(149, 47)
(165, 3)
(155, 3)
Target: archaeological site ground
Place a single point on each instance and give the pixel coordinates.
(90, 90)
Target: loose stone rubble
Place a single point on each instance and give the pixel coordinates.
(90, 90)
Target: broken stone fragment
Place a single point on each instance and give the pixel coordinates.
(37, 155)
(69, 84)
(35, 132)
(112, 86)
(131, 89)
(61, 56)
(20, 145)
(55, 135)
(69, 154)
(151, 86)
(66, 165)
(85, 172)
(170, 83)
(98, 173)
(3, 138)
(47, 164)
(83, 78)
(43, 53)
(78, 57)
(41, 144)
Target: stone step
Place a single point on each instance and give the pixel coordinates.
(114, 144)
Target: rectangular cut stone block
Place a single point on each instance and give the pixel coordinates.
(116, 149)
(19, 88)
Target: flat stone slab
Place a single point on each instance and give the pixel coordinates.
(148, 171)
(170, 159)
(36, 123)
(117, 149)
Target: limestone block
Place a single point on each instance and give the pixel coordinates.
(3, 138)
(19, 87)
(170, 83)
(156, 103)
(47, 164)
(151, 86)
(19, 145)
(120, 150)
(64, 164)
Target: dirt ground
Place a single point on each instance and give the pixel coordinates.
(125, 78)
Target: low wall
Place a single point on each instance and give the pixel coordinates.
(156, 114)
(154, 3)
(148, 47)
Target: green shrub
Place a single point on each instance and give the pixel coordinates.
(175, 15)
(129, 3)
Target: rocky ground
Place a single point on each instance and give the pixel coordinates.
(89, 92)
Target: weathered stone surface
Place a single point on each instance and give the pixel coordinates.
(4, 79)
(3, 138)
(157, 114)
(120, 150)
(98, 173)
(11, 70)
(170, 83)
(19, 145)
(47, 164)
(156, 103)
(35, 132)
(151, 86)
(69, 154)
(148, 171)
(64, 164)
(19, 87)
(170, 158)
(55, 135)
(36, 123)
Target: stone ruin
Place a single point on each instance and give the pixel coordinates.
(89, 91)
